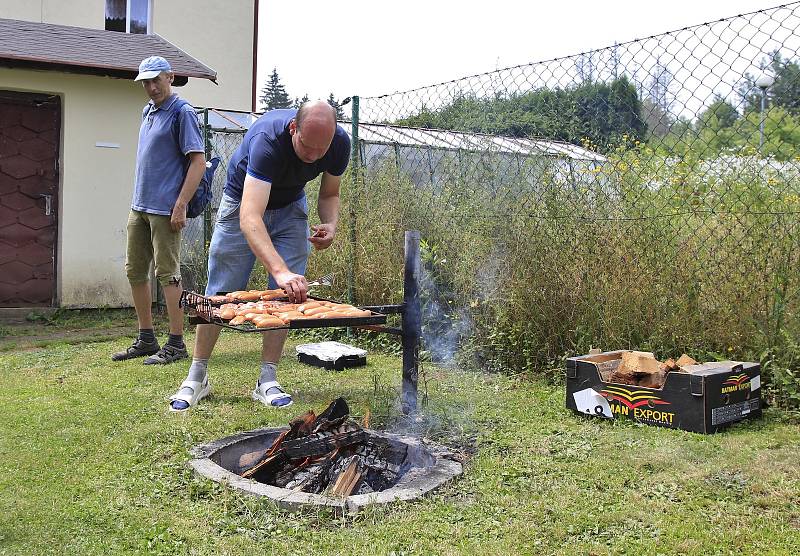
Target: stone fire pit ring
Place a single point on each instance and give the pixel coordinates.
(221, 461)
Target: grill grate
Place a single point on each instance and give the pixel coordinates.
(201, 311)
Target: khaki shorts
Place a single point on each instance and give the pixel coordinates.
(150, 238)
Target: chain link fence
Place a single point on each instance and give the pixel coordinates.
(221, 143)
(644, 195)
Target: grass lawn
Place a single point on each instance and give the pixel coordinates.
(91, 462)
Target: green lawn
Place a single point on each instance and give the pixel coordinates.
(91, 462)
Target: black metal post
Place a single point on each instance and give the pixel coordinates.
(355, 172)
(412, 322)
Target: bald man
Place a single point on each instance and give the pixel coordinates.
(263, 215)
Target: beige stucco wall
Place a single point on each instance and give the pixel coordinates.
(219, 34)
(96, 183)
(77, 13)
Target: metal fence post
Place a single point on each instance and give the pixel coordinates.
(356, 173)
(412, 322)
(207, 211)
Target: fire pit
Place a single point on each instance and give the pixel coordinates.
(327, 460)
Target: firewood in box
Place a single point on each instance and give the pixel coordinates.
(640, 368)
(685, 361)
(653, 380)
(633, 366)
(670, 366)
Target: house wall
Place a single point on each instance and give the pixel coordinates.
(96, 183)
(76, 13)
(220, 37)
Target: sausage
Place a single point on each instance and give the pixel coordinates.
(357, 313)
(268, 321)
(333, 315)
(288, 315)
(340, 306)
(316, 310)
(309, 305)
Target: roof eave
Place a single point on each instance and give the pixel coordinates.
(181, 78)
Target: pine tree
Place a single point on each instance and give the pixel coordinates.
(336, 106)
(274, 95)
(298, 102)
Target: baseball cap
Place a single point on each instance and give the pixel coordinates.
(151, 67)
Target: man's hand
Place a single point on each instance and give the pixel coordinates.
(323, 236)
(178, 218)
(295, 285)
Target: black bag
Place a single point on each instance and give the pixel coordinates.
(202, 197)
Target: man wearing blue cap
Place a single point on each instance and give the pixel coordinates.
(170, 160)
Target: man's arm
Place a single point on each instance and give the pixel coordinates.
(197, 165)
(255, 196)
(328, 210)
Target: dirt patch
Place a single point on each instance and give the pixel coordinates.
(25, 336)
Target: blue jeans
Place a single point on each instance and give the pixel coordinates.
(230, 260)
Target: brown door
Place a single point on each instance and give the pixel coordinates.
(29, 140)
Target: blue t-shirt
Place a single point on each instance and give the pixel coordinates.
(266, 153)
(161, 155)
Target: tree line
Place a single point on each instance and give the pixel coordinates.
(274, 96)
(603, 114)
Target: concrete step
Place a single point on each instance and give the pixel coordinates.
(20, 314)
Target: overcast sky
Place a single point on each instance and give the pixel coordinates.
(377, 47)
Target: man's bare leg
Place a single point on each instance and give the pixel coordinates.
(172, 296)
(272, 345)
(205, 339)
(142, 302)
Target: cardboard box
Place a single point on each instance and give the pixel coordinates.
(706, 399)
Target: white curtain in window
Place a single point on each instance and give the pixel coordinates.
(116, 9)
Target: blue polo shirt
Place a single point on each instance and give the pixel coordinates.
(161, 155)
(266, 153)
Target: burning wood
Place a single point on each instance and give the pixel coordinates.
(328, 453)
(641, 368)
(348, 479)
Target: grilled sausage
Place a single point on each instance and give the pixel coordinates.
(316, 310)
(309, 305)
(269, 321)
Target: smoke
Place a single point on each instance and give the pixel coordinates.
(488, 275)
(445, 324)
(447, 329)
